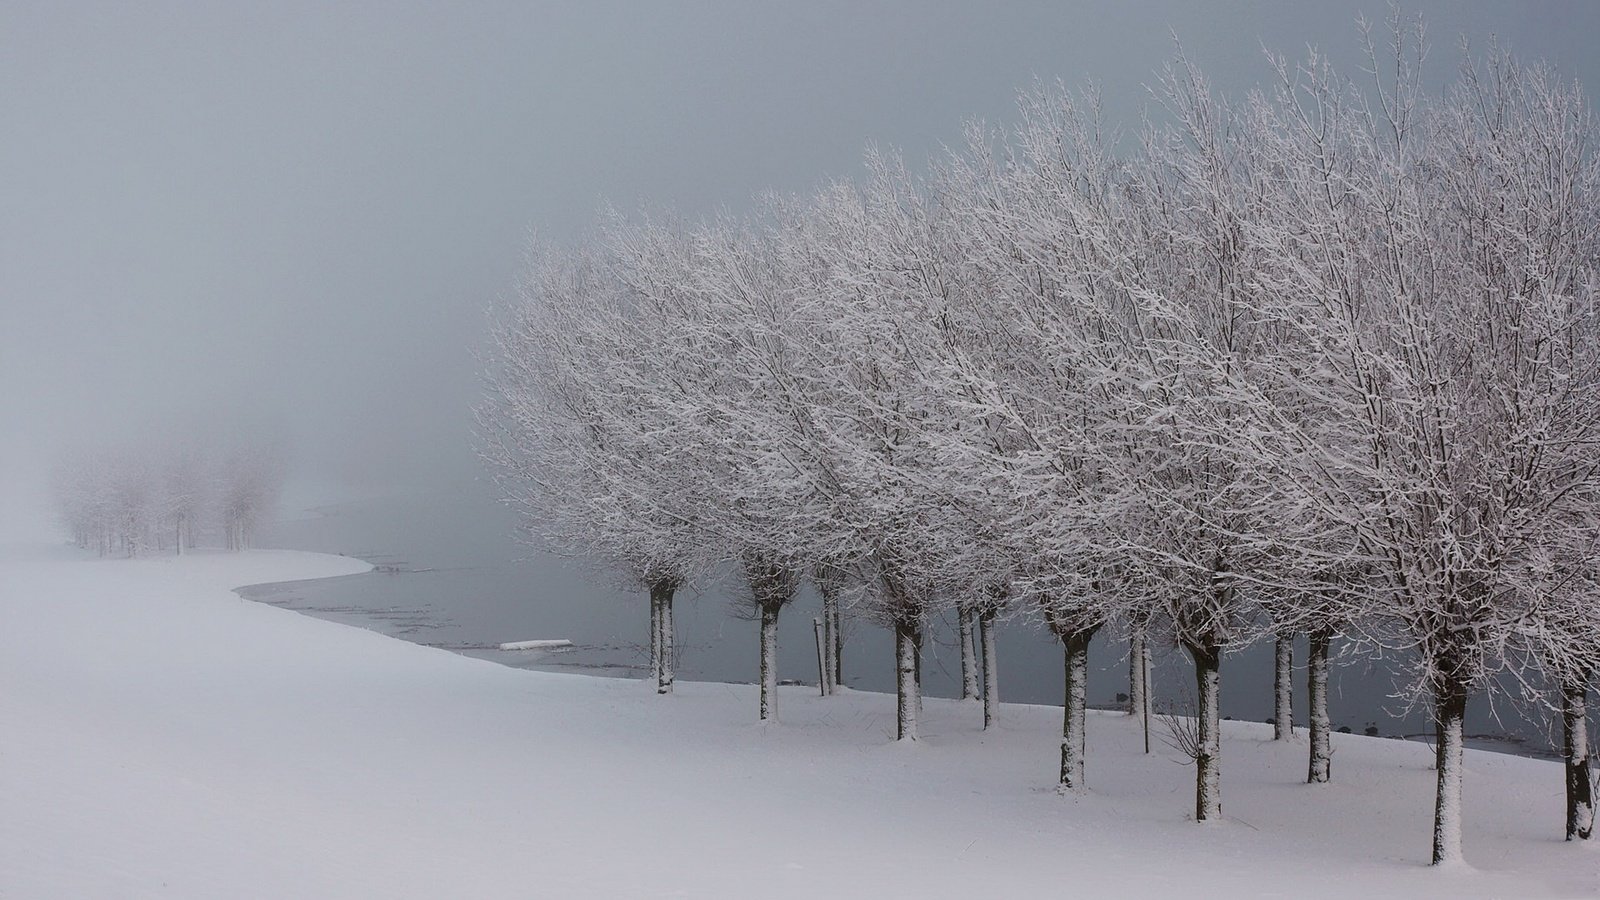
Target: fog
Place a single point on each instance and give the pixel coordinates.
(300, 212)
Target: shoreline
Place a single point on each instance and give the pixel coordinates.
(380, 621)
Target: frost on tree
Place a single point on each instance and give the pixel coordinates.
(772, 584)
(249, 477)
(1318, 361)
(582, 447)
(881, 328)
(1431, 265)
(1183, 506)
(832, 584)
(1139, 678)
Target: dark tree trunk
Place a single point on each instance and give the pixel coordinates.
(1320, 769)
(1575, 749)
(829, 622)
(1283, 688)
(838, 644)
(991, 670)
(1449, 712)
(969, 652)
(769, 659)
(655, 635)
(1208, 749)
(907, 701)
(1075, 645)
(661, 593)
(1139, 693)
(917, 669)
(1136, 674)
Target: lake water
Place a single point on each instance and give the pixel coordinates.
(452, 575)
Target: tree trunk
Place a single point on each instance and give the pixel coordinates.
(907, 703)
(1139, 681)
(1449, 711)
(1321, 756)
(969, 654)
(1575, 748)
(1283, 689)
(991, 670)
(1076, 647)
(1136, 674)
(669, 650)
(661, 591)
(655, 635)
(830, 616)
(823, 686)
(1149, 689)
(769, 660)
(917, 669)
(838, 643)
(1208, 750)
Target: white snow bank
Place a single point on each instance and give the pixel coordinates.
(164, 738)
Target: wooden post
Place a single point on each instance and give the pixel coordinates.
(822, 663)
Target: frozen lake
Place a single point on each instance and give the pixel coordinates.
(451, 574)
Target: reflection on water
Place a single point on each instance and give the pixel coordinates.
(450, 575)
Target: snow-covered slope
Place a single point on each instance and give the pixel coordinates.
(162, 737)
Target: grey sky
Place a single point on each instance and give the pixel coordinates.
(306, 208)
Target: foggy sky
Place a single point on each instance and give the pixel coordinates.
(303, 211)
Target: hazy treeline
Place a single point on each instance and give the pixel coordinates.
(173, 491)
(1322, 359)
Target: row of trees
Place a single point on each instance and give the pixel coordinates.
(137, 496)
(1322, 360)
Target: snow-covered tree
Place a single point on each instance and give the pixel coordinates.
(1320, 361)
(80, 484)
(1182, 516)
(1431, 266)
(185, 491)
(249, 475)
(872, 337)
(726, 304)
(1028, 231)
(134, 492)
(596, 460)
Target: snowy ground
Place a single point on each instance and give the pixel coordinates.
(164, 738)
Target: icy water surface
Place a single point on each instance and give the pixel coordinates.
(450, 574)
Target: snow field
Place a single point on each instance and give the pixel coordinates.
(165, 738)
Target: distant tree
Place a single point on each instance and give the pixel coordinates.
(134, 501)
(249, 477)
(76, 494)
(184, 493)
(133, 494)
